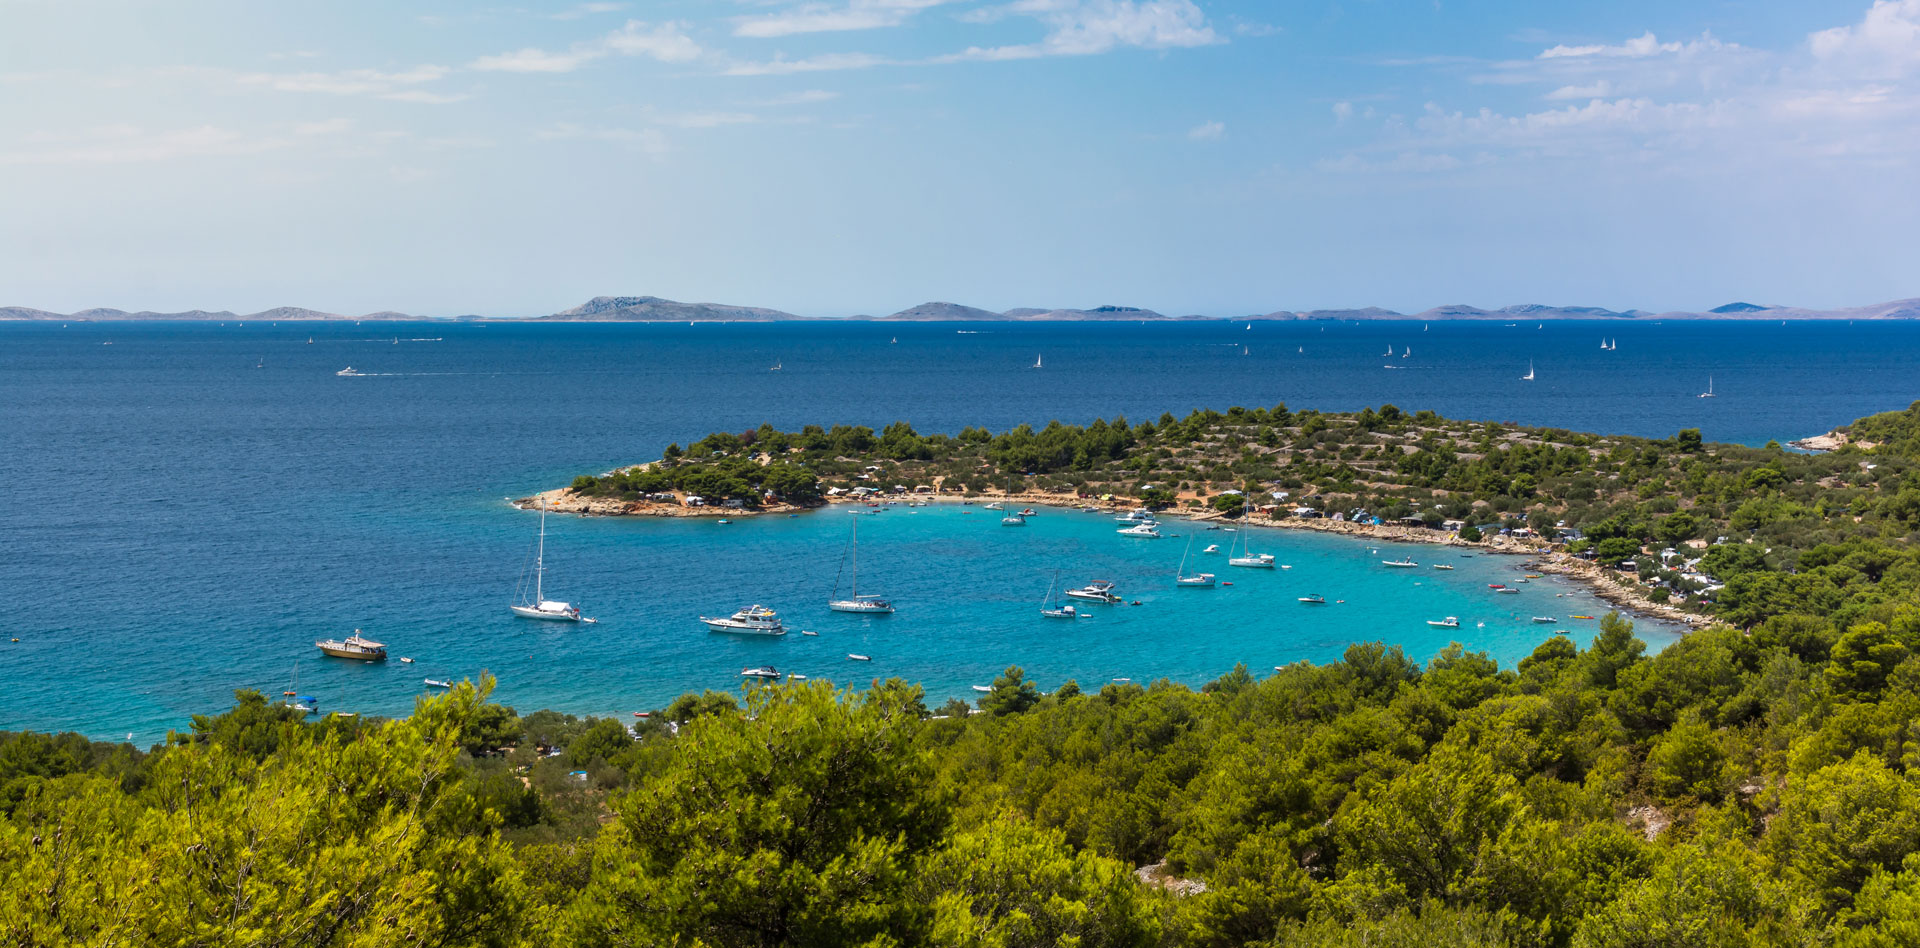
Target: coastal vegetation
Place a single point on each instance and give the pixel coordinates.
(1752, 531)
(1737, 788)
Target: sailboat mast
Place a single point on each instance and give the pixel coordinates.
(856, 557)
(540, 559)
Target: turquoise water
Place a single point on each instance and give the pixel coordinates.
(180, 523)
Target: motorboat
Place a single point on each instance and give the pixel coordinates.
(1545, 620)
(347, 372)
(1065, 611)
(437, 683)
(1450, 622)
(1135, 516)
(763, 672)
(1097, 591)
(1027, 512)
(1441, 566)
(1314, 599)
(1400, 564)
(355, 646)
(1013, 520)
(1508, 589)
(1212, 548)
(869, 605)
(534, 603)
(753, 620)
(857, 657)
(983, 689)
(996, 505)
(1496, 585)
(1148, 530)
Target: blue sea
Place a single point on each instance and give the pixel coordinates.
(190, 507)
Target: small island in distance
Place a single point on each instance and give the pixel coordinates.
(651, 309)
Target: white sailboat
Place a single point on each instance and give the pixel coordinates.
(776, 366)
(1709, 392)
(1407, 353)
(1195, 581)
(1037, 363)
(872, 605)
(1055, 609)
(534, 603)
(1389, 354)
(1247, 557)
(1529, 376)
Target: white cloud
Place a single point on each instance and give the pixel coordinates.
(1888, 36)
(1645, 45)
(328, 127)
(1406, 162)
(398, 86)
(827, 18)
(1086, 27)
(1594, 90)
(586, 9)
(830, 62)
(803, 97)
(666, 42)
(1342, 111)
(532, 59)
(1207, 131)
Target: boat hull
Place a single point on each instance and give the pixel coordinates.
(1250, 564)
(534, 612)
(358, 655)
(736, 628)
(864, 608)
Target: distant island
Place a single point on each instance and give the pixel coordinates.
(654, 309)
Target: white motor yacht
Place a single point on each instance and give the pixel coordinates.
(1450, 622)
(1406, 563)
(753, 620)
(1097, 591)
(346, 372)
(1148, 530)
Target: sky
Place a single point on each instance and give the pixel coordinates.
(840, 157)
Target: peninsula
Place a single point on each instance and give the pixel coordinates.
(1679, 527)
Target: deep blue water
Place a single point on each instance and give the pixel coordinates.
(179, 523)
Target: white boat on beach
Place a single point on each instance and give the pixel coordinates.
(534, 603)
(871, 605)
(753, 620)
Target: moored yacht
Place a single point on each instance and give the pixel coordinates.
(1097, 591)
(1148, 530)
(355, 646)
(1185, 580)
(1314, 599)
(1450, 622)
(763, 672)
(534, 603)
(873, 605)
(1404, 563)
(753, 620)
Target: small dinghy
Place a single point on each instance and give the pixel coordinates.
(437, 683)
(859, 658)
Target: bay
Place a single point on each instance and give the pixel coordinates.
(181, 523)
